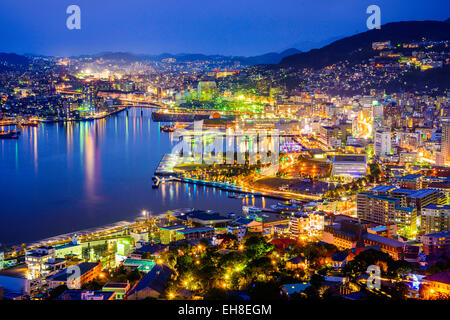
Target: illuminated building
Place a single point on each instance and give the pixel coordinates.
(168, 235)
(120, 289)
(139, 236)
(205, 218)
(349, 166)
(333, 136)
(73, 249)
(37, 260)
(142, 265)
(410, 181)
(381, 45)
(152, 284)
(385, 210)
(296, 263)
(88, 271)
(306, 224)
(175, 233)
(87, 295)
(385, 205)
(435, 218)
(350, 234)
(436, 286)
(436, 243)
(238, 231)
(196, 233)
(152, 249)
(2, 257)
(445, 140)
(444, 187)
(298, 225)
(382, 143)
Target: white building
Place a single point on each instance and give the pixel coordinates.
(36, 260)
(349, 166)
(382, 143)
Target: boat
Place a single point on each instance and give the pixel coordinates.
(251, 209)
(167, 128)
(9, 134)
(285, 207)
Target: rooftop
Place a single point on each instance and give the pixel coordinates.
(442, 277)
(174, 227)
(63, 275)
(384, 240)
(121, 285)
(382, 188)
(192, 230)
(410, 177)
(439, 234)
(422, 193)
(85, 295)
(383, 198)
(350, 158)
(436, 206)
(155, 279)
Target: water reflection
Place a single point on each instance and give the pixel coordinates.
(68, 176)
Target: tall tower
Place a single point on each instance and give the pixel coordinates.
(445, 140)
(382, 143)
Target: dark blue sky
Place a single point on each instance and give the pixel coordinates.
(237, 27)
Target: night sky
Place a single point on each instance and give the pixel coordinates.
(231, 27)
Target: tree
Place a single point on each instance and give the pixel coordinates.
(293, 250)
(147, 256)
(366, 258)
(256, 246)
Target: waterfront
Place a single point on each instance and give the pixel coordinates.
(62, 177)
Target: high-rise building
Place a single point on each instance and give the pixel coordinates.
(445, 140)
(382, 143)
(436, 243)
(386, 205)
(410, 181)
(435, 218)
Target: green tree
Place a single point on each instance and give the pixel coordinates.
(256, 246)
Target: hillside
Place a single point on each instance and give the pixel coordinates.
(268, 58)
(348, 48)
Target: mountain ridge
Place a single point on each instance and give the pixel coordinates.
(396, 32)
